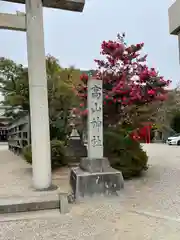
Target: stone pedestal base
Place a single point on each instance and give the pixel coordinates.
(108, 181)
(95, 165)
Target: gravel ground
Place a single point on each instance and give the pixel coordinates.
(148, 208)
(16, 176)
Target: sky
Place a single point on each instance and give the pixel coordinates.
(75, 38)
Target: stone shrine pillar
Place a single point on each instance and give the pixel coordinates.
(95, 119)
(94, 174)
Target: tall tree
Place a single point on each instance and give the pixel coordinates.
(14, 86)
(15, 89)
(168, 109)
(130, 88)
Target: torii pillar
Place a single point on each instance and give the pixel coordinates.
(32, 23)
(174, 20)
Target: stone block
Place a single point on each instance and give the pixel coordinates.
(36, 203)
(86, 184)
(26, 204)
(94, 165)
(63, 203)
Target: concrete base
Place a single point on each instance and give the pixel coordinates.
(86, 184)
(36, 203)
(51, 188)
(94, 165)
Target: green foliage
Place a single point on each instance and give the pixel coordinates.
(61, 97)
(14, 86)
(27, 154)
(124, 153)
(175, 123)
(58, 157)
(167, 110)
(15, 89)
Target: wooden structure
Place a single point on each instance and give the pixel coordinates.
(4, 121)
(162, 134)
(19, 134)
(3, 132)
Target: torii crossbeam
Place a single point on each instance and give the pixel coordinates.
(71, 5)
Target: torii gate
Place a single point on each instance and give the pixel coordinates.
(32, 23)
(174, 20)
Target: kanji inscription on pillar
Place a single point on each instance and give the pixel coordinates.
(95, 119)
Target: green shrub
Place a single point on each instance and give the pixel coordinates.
(58, 157)
(27, 154)
(125, 154)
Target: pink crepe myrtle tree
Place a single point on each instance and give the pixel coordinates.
(127, 81)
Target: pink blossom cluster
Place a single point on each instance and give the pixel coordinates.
(126, 77)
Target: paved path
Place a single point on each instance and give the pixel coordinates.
(148, 208)
(16, 176)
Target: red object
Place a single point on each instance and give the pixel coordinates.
(143, 133)
(84, 77)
